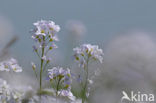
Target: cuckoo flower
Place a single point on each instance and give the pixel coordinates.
(45, 32)
(45, 36)
(61, 78)
(67, 93)
(83, 55)
(86, 51)
(10, 65)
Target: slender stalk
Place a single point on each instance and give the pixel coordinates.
(57, 87)
(86, 82)
(36, 51)
(41, 70)
(45, 66)
(35, 74)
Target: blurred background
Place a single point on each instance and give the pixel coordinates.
(124, 29)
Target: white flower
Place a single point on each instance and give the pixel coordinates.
(45, 35)
(16, 68)
(88, 51)
(67, 93)
(4, 67)
(44, 57)
(59, 72)
(45, 28)
(7, 94)
(10, 64)
(90, 81)
(62, 78)
(87, 94)
(53, 46)
(97, 53)
(55, 71)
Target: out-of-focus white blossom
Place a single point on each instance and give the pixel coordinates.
(4, 91)
(76, 28)
(10, 65)
(90, 81)
(6, 29)
(67, 93)
(9, 95)
(50, 99)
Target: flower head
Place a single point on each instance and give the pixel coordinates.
(62, 78)
(64, 75)
(86, 51)
(45, 28)
(67, 93)
(10, 64)
(45, 34)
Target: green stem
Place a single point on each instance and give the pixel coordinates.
(45, 66)
(38, 54)
(35, 74)
(57, 88)
(86, 82)
(41, 70)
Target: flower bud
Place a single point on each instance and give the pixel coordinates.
(33, 66)
(48, 60)
(35, 48)
(50, 48)
(51, 40)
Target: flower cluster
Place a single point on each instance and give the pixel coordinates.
(8, 95)
(84, 54)
(62, 79)
(67, 93)
(63, 75)
(45, 35)
(9, 65)
(45, 32)
(88, 51)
